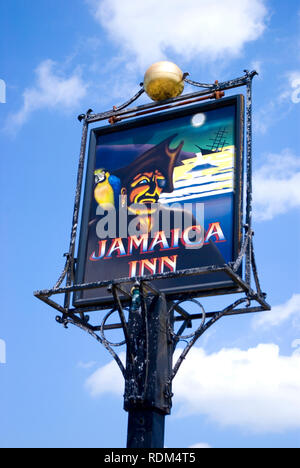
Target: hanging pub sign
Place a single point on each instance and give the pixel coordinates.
(163, 194)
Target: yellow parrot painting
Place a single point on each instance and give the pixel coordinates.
(107, 189)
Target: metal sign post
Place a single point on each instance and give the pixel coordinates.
(148, 371)
(149, 330)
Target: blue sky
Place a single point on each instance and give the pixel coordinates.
(240, 386)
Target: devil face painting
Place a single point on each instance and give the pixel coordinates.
(146, 187)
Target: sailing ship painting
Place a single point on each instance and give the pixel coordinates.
(209, 172)
(208, 177)
(219, 141)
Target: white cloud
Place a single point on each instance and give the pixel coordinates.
(296, 344)
(266, 116)
(86, 365)
(2, 352)
(255, 389)
(197, 28)
(257, 65)
(279, 314)
(2, 92)
(200, 445)
(295, 84)
(52, 90)
(276, 185)
(279, 107)
(106, 379)
(293, 92)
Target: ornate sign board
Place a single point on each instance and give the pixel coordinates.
(164, 194)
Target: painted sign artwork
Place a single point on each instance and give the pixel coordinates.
(163, 195)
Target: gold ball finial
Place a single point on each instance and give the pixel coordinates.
(163, 80)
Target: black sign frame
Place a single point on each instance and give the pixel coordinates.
(216, 286)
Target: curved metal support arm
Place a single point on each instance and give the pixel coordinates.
(111, 115)
(122, 111)
(63, 274)
(102, 331)
(243, 80)
(255, 273)
(121, 314)
(201, 330)
(178, 336)
(196, 83)
(86, 328)
(130, 101)
(243, 250)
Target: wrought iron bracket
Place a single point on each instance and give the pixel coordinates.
(97, 327)
(253, 300)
